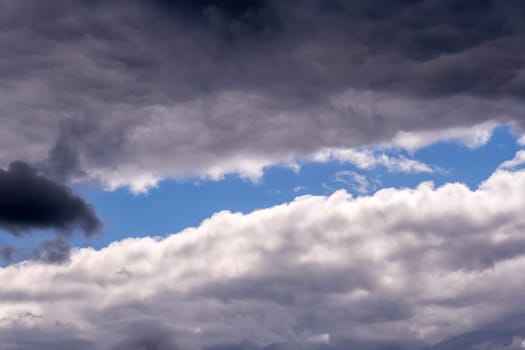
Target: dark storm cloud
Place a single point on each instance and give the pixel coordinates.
(30, 201)
(171, 88)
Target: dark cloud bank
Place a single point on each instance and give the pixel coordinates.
(130, 91)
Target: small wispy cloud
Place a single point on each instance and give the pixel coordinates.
(356, 182)
(370, 159)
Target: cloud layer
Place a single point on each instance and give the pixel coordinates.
(398, 268)
(128, 92)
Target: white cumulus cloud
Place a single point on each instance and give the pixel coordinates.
(402, 266)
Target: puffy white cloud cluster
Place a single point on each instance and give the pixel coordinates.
(405, 267)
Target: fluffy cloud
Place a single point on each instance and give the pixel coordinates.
(402, 267)
(129, 92)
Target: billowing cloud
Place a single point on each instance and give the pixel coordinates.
(397, 268)
(29, 200)
(129, 92)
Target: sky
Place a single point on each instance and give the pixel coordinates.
(262, 174)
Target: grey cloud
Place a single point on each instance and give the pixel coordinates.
(169, 88)
(145, 334)
(55, 251)
(508, 333)
(6, 252)
(63, 160)
(17, 339)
